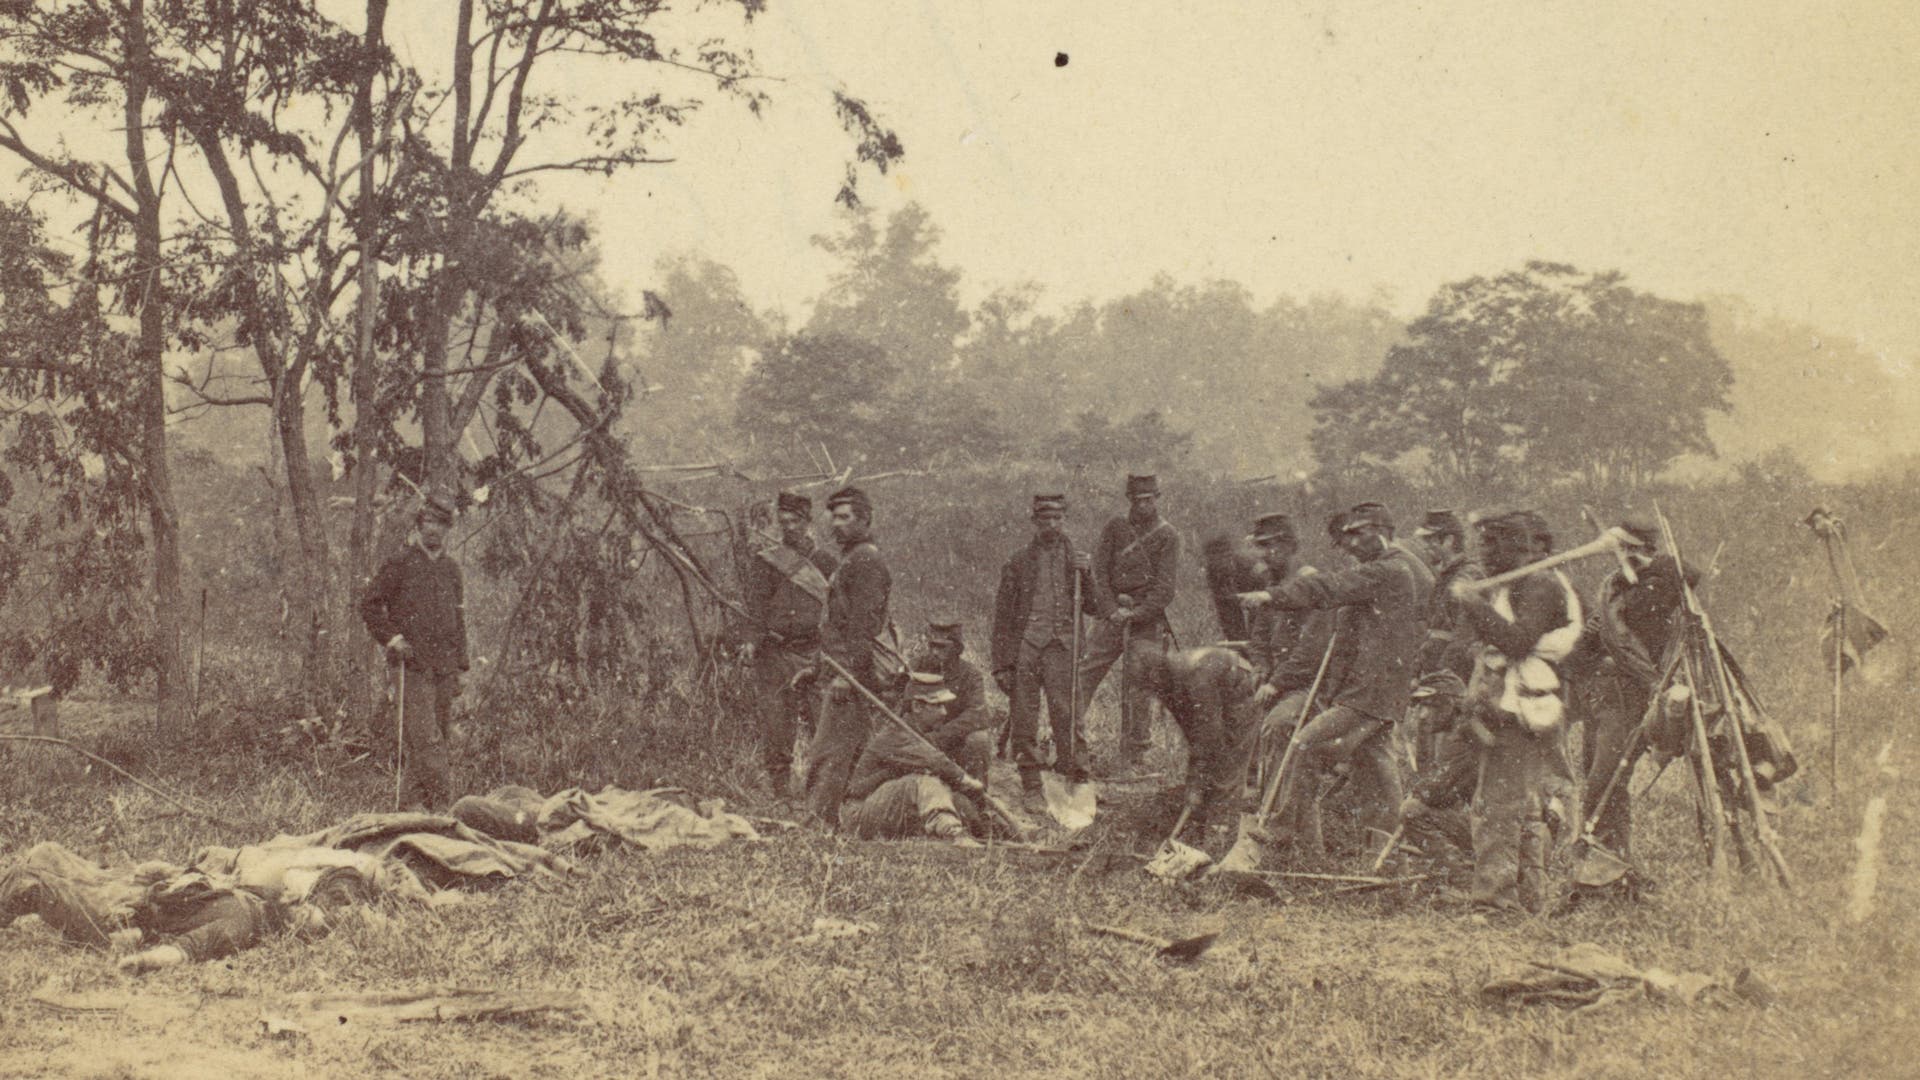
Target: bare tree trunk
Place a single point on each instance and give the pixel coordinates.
(366, 382)
(169, 600)
(314, 592)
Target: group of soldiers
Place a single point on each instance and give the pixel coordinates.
(1435, 703)
(1437, 707)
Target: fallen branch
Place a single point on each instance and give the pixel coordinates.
(91, 756)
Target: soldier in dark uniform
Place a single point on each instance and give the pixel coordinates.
(1285, 646)
(1381, 603)
(1206, 691)
(857, 598)
(964, 731)
(1445, 538)
(900, 790)
(786, 595)
(1616, 670)
(1133, 578)
(1033, 635)
(415, 609)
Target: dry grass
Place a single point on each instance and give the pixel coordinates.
(975, 965)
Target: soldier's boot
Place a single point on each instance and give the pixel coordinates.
(1033, 796)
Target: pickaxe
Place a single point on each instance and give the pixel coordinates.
(1614, 541)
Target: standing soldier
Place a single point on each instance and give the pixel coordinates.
(1286, 647)
(1445, 538)
(1133, 567)
(1620, 664)
(1382, 626)
(786, 594)
(963, 731)
(414, 608)
(1524, 632)
(1033, 638)
(857, 596)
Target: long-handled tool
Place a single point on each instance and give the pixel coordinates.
(1597, 865)
(998, 808)
(400, 734)
(1073, 800)
(1178, 950)
(1386, 850)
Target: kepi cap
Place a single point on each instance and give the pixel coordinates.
(1142, 485)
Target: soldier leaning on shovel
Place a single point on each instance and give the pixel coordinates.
(414, 609)
(1133, 575)
(1286, 646)
(1033, 640)
(786, 593)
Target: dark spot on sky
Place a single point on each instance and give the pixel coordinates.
(1059, 59)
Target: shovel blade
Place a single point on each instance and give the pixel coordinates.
(1187, 949)
(1598, 868)
(1071, 805)
(1248, 850)
(1177, 861)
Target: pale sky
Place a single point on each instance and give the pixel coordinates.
(1760, 148)
(1751, 147)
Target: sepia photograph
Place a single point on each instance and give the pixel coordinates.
(846, 538)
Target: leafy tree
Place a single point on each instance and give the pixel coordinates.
(100, 61)
(1144, 442)
(809, 390)
(71, 550)
(1538, 374)
(891, 290)
(692, 363)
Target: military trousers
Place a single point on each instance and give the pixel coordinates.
(782, 708)
(904, 808)
(415, 729)
(1105, 644)
(1045, 670)
(1510, 838)
(1615, 702)
(837, 741)
(1337, 736)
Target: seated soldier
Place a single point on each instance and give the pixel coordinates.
(1207, 691)
(903, 788)
(966, 714)
(1446, 755)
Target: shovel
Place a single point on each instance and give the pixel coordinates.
(1178, 950)
(1175, 861)
(1598, 867)
(1072, 803)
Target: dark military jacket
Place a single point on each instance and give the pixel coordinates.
(967, 712)
(1137, 563)
(784, 606)
(1383, 627)
(420, 597)
(1013, 601)
(857, 596)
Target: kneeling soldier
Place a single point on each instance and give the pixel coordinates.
(902, 789)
